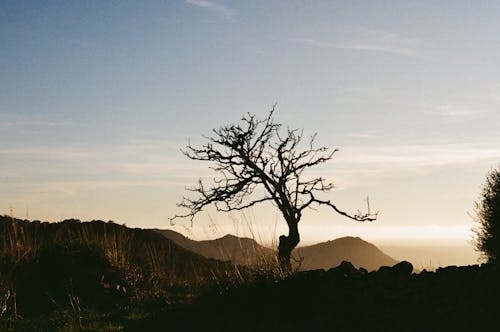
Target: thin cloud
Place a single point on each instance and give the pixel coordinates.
(358, 165)
(145, 158)
(314, 42)
(405, 157)
(372, 41)
(51, 153)
(383, 41)
(214, 7)
(363, 135)
(457, 111)
(23, 124)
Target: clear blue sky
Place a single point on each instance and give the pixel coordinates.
(97, 98)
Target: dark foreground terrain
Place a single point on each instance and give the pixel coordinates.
(98, 276)
(345, 299)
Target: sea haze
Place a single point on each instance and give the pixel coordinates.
(430, 256)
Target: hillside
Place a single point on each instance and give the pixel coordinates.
(124, 247)
(241, 251)
(330, 254)
(325, 255)
(95, 265)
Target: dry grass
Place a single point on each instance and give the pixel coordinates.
(155, 272)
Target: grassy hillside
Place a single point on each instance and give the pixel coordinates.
(125, 248)
(96, 266)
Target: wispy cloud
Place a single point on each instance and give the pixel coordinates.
(314, 42)
(457, 111)
(20, 124)
(363, 135)
(417, 156)
(373, 41)
(214, 7)
(383, 41)
(145, 159)
(362, 163)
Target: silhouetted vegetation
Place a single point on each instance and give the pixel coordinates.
(79, 272)
(348, 299)
(488, 216)
(257, 161)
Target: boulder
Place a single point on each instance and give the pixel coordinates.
(403, 268)
(345, 268)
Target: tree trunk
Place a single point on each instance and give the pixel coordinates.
(287, 244)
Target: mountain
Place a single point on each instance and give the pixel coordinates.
(325, 255)
(330, 254)
(239, 250)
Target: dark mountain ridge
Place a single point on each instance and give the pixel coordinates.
(325, 255)
(239, 250)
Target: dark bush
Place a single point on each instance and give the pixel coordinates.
(487, 214)
(62, 276)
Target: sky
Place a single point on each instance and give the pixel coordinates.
(98, 98)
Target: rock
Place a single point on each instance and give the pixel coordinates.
(384, 270)
(403, 268)
(311, 275)
(448, 269)
(345, 268)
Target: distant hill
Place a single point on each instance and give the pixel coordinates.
(330, 254)
(240, 251)
(325, 255)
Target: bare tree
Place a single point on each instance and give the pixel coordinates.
(259, 153)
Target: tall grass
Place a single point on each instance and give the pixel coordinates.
(153, 270)
(263, 263)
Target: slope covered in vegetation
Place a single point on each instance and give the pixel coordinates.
(95, 266)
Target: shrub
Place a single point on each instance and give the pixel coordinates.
(487, 214)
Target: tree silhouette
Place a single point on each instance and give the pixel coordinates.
(259, 153)
(487, 214)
